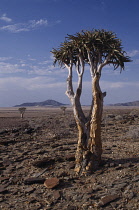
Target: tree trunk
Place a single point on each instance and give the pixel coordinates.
(82, 150)
(89, 148)
(95, 143)
(83, 134)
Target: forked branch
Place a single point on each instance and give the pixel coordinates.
(80, 72)
(69, 92)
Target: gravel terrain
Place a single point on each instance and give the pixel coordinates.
(37, 162)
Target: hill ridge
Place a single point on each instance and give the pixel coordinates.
(48, 102)
(133, 103)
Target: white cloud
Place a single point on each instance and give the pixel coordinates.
(29, 26)
(16, 90)
(15, 28)
(32, 59)
(133, 53)
(118, 85)
(30, 84)
(5, 18)
(30, 66)
(46, 70)
(58, 21)
(7, 68)
(23, 64)
(45, 62)
(136, 61)
(117, 92)
(5, 58)
(35, 24)
(107, 85)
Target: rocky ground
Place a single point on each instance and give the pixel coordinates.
(37, 162)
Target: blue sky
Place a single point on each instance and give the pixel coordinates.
(29, 29)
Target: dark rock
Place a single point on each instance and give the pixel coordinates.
(29, 190)
(112, 164)
(15, 130)
(127, 165)
(63, 174)
(3, 189)
(136, 178)
(107, 199)
(3, 132)
(108, 148)
(110, 116)
(1, 199)
(71, 208)
(55, 145)
(56, 195)
(28, 130)
(70, 157)
(107, 151)
(4, 178)
(97, 188)
(40, 151)
(40, 173)
(19, 166)
(34, 180)
(98, 172)
(59, 159)
(15, 192)
(38, 205)
(7, 142)
(114, 145)
(51, 183)
(119, 167)
(43, 163)
(120, 186)
(2, 168)
(128, 189)
(6, 162)
(114, 205)
(71, 165)
(72, 125)
(131, 195)
(32, 199)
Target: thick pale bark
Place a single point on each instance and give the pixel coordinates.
(95, 143)
(89, 148)
(81, 147)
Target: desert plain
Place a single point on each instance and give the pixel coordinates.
(37, 161)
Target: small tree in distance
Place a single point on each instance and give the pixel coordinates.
(22, 111)
(96, 48)
(63, 108)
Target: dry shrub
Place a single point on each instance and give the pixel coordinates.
(133, 133)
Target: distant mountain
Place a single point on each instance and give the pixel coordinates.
(134, 103)
(43, 103)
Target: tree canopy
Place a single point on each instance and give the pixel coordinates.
(96, 47)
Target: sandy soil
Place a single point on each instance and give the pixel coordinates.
(42, 146)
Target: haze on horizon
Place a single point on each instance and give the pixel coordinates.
(29, 29)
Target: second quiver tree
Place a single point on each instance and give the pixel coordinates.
(63, 108)
(96, 48)
(22, 111)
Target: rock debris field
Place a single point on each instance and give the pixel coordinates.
(37, 161)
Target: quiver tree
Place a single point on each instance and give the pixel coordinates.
(63, 108)
(22, 111)
(96, 48)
